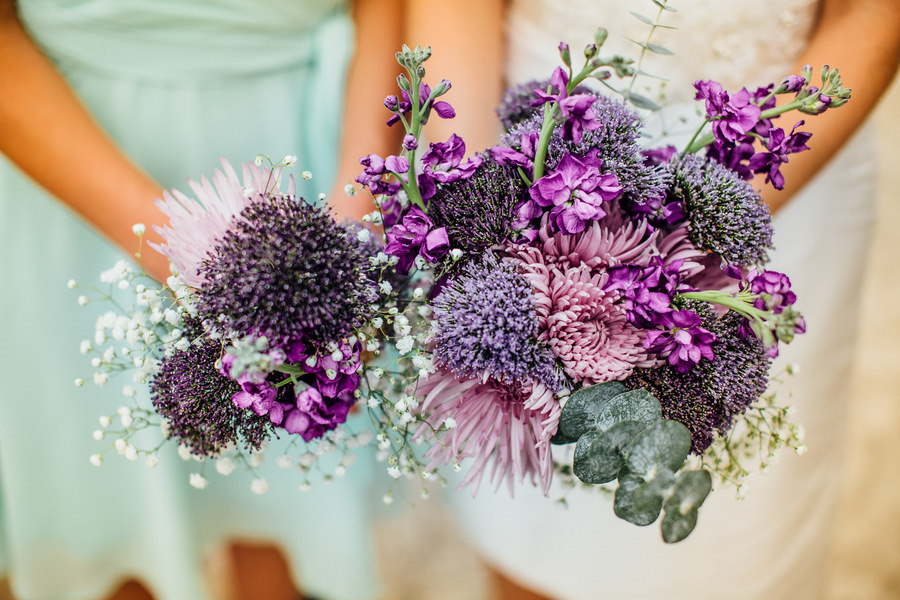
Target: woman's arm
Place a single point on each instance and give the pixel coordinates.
(50, 136)
(372, 76)
(862, 39)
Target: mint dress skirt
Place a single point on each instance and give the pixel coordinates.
(177, 84)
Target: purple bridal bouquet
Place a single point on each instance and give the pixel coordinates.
(566, 287)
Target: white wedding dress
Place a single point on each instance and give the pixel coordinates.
(773, 544)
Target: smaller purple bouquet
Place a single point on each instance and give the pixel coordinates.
(587, 291)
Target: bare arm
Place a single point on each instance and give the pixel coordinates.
(49, 135)
(862, 39)
(467, 41)
(372, 76)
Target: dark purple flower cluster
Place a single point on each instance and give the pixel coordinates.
(416, 235)
(708, 397)
(726, 215)
(286, 270)
(478, 212)
(485, 320)
(196, 401)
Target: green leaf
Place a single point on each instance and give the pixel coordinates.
(580, 412)
(663, 6)
(675, 526)
(662, 446)
(643, 19)
(650, 495)
(599, 456)
(642, 101)
(690, 490)
(623, 503)
(636, 405)
(656, 48)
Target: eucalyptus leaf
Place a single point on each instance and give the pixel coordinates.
(651, 75)
(652, 493)
(642, 101)
(599, 456)
(580, 412)
(676, 526)
(642, 18)
(636, 405)
(623, 503)
(662, 446)
(657, 49)
(663, 6)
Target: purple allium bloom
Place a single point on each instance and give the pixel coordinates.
(414, 235)
(485, 320)
(725, 214)
(286, 270)
(576, 192)
(517, 104)
(682, 341)
(732, 116)
(479, 212)
(196, 400)
(576, 111)
(779, 147)
(707, 398)
(443, 161)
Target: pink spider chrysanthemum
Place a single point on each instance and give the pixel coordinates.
(505, 429)
(196, 224)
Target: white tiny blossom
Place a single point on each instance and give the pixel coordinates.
(105, 421)
(165, 428)
(198, 481)
(184, 452)
(406, 418)
(129, 391)
(372, 345)
(182, 344)
(450, 423)
(131, 452)
(83, 300)
(225, 466)
(394, 472)
(372, 402)
(457, 467)
(424, 310)
(306, 175)
(350, 189)
(247, 191)
(152, 461)
(126, 420)
(307, 459)
(123, 410)
(387, 498)
(793, 368)
(121, 445)
(101, 378)
(256, 459)
(424, 494)
(99, 434)
(363, 235)
(117, 333)
(385, 287)
(801, 449)
(285, 461)
(96, 460)
(377, 322)
(124, 284)
(418, 293)
(139, 229)
(258, 161)
(259, 486)
(400, 405)
(109, 354)
(96, 361)
(456, 254)
(71, 284)
(85, 347)
(340, 471)
(305, 486)
(405, 344)
(79, 382)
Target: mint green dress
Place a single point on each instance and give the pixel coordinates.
(177, 84)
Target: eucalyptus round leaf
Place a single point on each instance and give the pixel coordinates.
(689, 492)
(636, 405)
(650, 495)
(676, 526)
(662, 446)
(604, 457)
(581, 409)
(623, 503)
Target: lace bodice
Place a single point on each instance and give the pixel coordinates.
(732, 41)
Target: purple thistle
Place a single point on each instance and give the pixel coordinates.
(485, 320)
(196, 401)
(286, 270)
(725, 214)
(708, 397)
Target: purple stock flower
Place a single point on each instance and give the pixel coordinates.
(791, 84)
(779, 146)
(311, 415)
(444, 163)
(374, 170)
(732, 115)
(443, 109)
(659, 156)
(576, 111)
(410, 142)
(646, 292)
(776, 286)
(576, 191)
(683, 341)
(414, 234)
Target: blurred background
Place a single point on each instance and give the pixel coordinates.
(423, 559)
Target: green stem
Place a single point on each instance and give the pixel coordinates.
(644, 50)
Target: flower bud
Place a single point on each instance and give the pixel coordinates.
(565, 54)
(600, 36)
(392, 103)
(590, 51)
(403, 83)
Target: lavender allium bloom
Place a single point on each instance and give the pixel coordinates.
(196, 400)
(286, 270)
(707, 398)
(485, 320)
(725, 214)
(682, 341)
(575, 191)
(732, 116)
(479, 212)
